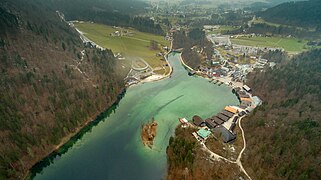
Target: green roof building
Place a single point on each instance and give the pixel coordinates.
(203, 133)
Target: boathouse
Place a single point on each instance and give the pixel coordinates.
(227, 113)
(221, 116)
(210, 123)
(198, 121)
(218, 120)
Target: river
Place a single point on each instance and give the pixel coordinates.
(113, 149)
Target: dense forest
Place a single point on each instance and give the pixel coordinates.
(266, 29)
(284, 133)
(261, 5)
(231, 18)
(187, 160)
(301, 13)
(109, 12)
(50, 84)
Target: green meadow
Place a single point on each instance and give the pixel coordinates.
(137, 45)
(223, 29)
(291, 45)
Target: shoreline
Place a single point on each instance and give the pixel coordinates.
(54, 152)
(223, 80)
(184, 64)
(78, 131)
(157, 77)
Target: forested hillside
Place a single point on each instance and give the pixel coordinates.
(301, 13)
(50, 84)
(284, 134)
(191, 42)
(187, 160)
(109, 12)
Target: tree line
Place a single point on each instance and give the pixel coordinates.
(287, 127)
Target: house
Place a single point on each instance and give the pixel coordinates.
(246, 88)
(210, 123)
(183, 120)
(256, 101)
(198, 121)
(231, 109)
(203, 133)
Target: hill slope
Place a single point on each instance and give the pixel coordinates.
(109, 12)
(301, 13)
(50, 84)
(284, 133)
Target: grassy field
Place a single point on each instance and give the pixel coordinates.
(291, 45)
(262, 21)
(223, 29)
(137, 45)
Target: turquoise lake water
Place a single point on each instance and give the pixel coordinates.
(113, 149)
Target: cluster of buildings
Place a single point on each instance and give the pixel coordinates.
(223, 123)
(218, 71)
(232, 61)
(247, 101)
(227, 67)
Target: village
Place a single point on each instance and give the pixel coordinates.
(230, 63)
(226, 67)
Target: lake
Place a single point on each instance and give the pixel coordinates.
(112, 149)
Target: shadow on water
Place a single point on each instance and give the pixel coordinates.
(166, 104)
(37, 168)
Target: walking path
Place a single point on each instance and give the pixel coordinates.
(238, 160)
(217, 157)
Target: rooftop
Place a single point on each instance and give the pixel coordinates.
(197, 120)
(226, 134)
(203, 133)
(230, 109)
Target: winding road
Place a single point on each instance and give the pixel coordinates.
(216, 157)
(238, 160)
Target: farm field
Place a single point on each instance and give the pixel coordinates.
(135, 46)
(291, 45)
